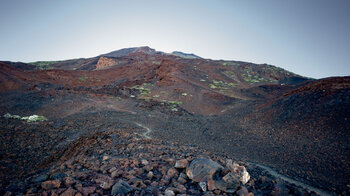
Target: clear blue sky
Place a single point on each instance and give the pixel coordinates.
(308, 37)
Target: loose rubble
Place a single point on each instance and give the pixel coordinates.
(131, 165)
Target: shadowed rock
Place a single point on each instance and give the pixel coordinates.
(121, 188)
(202, 170)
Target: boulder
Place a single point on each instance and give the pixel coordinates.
(202, 170)
(121, 187)
(239, 171)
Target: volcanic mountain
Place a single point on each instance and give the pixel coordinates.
(257, 113)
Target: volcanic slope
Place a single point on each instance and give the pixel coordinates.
(254, 112)
(199, 85)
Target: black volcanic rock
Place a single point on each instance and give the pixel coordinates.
(245, 111)
(20, 65)
(127, 51)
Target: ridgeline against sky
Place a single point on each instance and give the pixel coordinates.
(309, 38)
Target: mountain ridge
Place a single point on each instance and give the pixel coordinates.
(254, 112)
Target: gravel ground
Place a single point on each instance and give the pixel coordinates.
(33, 149)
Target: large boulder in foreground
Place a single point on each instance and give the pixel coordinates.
(212, 175)
(202, 170)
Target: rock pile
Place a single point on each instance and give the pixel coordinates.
(120, 163)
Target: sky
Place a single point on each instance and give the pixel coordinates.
(307, 37)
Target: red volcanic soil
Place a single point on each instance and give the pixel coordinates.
(257, 113)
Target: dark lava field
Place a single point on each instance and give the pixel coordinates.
(136, 121)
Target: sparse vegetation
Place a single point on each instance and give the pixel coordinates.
(175, 102)
(116, 98)
(229, 63)
(212, 86)
(156, 62)
(174, 109)
(83, 78)
(28, 119)
(173, 105)
(34, 118)
(44, 65)
(142, 88)
(221, 85)
(232, 85)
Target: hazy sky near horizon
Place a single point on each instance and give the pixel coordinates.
(307, 37)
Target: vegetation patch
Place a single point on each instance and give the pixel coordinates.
(173, 105)
(212, 86)
(233, 85)
(174, 109)
(156, 62)
(28, 119)
(175, 102)
(221, 85)
(116, 98)
(228, 63)
(143, 88)
(44, 65)
(83, 78)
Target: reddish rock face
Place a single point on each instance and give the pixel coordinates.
(105, 62)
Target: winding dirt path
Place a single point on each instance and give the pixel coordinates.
(148, 131)
(292, 181)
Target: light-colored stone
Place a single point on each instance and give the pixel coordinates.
(238, 171)
(144, 162)
(169, 193)
(150, 175)
(203, 186)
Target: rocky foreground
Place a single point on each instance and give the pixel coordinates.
(123, 163)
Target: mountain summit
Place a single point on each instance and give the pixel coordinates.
(128, 51)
